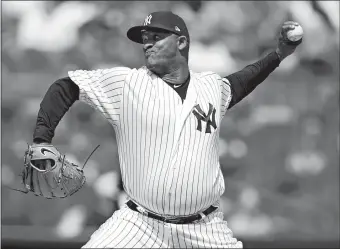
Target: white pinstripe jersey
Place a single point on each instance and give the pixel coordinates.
(169, 159)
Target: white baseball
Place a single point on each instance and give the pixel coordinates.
(296, 34)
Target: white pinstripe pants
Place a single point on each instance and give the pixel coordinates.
(129, 229)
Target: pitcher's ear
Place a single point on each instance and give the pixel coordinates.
(182, 42)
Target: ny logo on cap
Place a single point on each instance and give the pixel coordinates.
(147, 20)
(176, 28)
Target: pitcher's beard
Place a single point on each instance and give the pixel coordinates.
(156, 67)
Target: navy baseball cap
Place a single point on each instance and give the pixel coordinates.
(160, 20)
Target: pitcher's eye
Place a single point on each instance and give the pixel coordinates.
(156, 37)
(144, 39)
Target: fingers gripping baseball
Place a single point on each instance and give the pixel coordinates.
(290, 37)
(291, 33)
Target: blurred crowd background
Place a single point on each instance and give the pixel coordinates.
(279, 147)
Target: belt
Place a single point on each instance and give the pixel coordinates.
(180, 220)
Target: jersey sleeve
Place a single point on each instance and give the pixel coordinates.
(102, 89)
(226, 94)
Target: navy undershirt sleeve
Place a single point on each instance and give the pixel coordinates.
(58, 99)
(243, 82)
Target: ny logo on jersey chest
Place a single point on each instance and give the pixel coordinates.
(210, 118)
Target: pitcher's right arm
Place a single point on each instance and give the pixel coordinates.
(101, 89)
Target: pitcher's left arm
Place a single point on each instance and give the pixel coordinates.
(243, 82)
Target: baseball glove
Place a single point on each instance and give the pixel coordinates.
(49, 174)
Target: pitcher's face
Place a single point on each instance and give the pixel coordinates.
(160, 50)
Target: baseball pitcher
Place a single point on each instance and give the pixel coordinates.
(167, 121)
